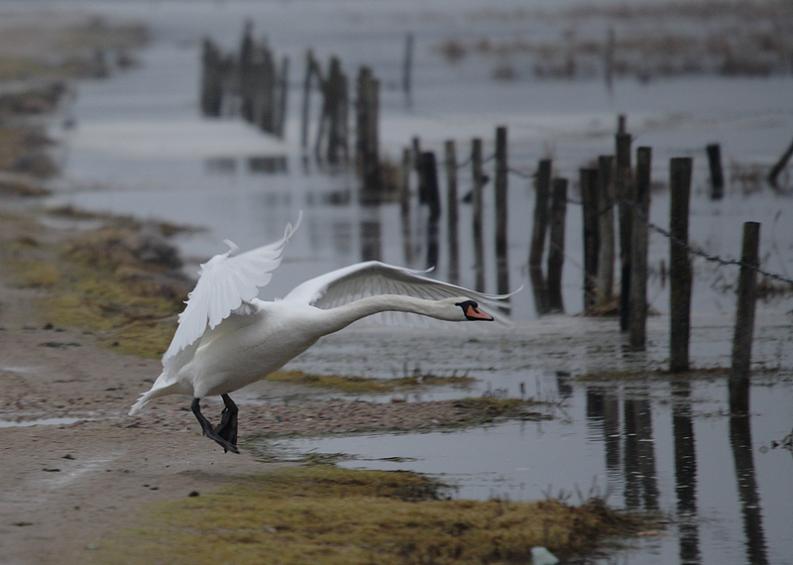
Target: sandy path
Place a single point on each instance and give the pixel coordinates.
(64, 486)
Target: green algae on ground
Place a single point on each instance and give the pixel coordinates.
(368, 385)
(324, 514)
(101, 281)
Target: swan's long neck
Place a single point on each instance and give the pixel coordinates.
(340, 317)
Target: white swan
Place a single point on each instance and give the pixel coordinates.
(227, 338)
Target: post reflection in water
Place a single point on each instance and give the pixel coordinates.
(685, 473)
(370, 234)
(741, 443)
(603, 409)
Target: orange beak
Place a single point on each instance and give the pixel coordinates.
(476, 314)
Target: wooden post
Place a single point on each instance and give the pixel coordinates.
(716, 173)
(404, 204)
(622, 122)
(407, 68)
(344, 115)
(679, 264)
(332, 92)
(211, 80)
(283, 98)
(501, 184)
(305, 115)
(556, 245)
(780, 165)
(604, 284)
(623, 189)
(542, 190)
(245, 72)
(478, 180)
(429, 175)
(373, 178)
(744, 320)
(641, 213)
(450, 153)
(589, 210)
(361, 106)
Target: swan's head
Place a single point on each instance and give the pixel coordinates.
(471, 311)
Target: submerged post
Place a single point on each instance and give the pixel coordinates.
(478, 179)
(305, 114)
(404, 204)
(716, 173)
(744, 320)
(542, 190)
(604, 284)
(624, 194)
(679, 264)
(556, 245)
(641, 212)
(450, 154)
(501, 210)
(589, 210)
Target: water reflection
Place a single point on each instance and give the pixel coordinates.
(685, 473)
(741, 442)
(370, 234)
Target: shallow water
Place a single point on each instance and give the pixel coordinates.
(38, 422)
(645, 443)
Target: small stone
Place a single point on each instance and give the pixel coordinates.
(68, 456)
(51, 470)
(194, 493)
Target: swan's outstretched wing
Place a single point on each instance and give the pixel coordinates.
(224, 284)
(373, 277)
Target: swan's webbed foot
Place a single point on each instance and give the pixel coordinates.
(209, 431)
(227, 429)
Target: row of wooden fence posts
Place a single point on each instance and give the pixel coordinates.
(612, 185)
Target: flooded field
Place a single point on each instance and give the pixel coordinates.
(621, 427)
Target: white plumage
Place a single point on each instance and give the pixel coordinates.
(227, 338)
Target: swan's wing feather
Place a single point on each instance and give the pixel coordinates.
(344, 285)
(225, 283)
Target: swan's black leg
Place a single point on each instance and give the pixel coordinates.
(206, 426)
(227, 429)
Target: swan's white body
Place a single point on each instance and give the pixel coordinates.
(227, 338)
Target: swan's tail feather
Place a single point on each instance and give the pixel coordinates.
(149, 395)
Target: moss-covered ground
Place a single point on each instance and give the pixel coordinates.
(324, 514)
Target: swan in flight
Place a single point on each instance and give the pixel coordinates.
(227, 338)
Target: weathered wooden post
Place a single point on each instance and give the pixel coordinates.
(589, 210)
(211, 80)
(404, 204)
(679, 264)
(501, 187)
(305, 115)
(246, 80)
(266, 120)
(716, 172)
(542, 190)
(283, 98)
(779, 166)
(374, 178)
(640, 220)
(368, 102)
(450, 153)
(744, 320)
(361, 105)
(556, 245)
(478, 180)
(407, 68)
(429, 175)
(333, 91)
(604, 284)
(623, 189)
